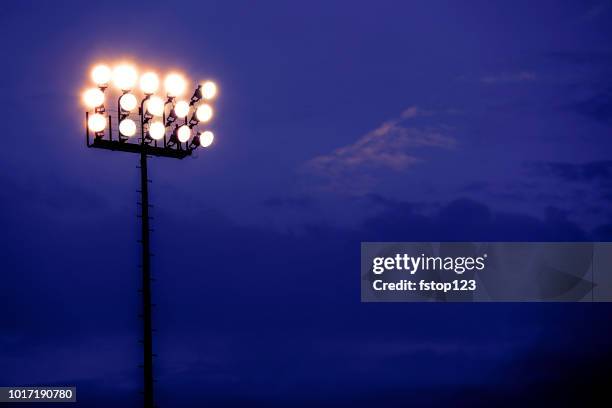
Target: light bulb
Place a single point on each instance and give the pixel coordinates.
(204, 113)
(157, 130)
(101, 75)
(125, 77)
(175, 85)
(181, 109)
(209, 90)
(149, 82)
(96, 122)
(93, 98)
(155, 106)
(183, 133)
(206, 138)
(127, 127)
(128, 102)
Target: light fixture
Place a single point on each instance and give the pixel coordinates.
(93, 98)
(96, 122)
(157, 130)
(175, 85)
(127, 127)
(155, 106)
(101, 75)
(175, 132)
(181, 109)
(209, 90)
(204, 113)
(164, 114)
(183, 133)
(125, 77)
(128, 102)
(149, 83)
(206, 138)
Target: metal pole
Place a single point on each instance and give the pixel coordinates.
(146, 284)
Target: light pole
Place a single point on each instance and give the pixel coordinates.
(169, 127)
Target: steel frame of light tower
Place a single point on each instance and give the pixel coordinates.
(146, 147)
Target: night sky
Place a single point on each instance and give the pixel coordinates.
(337, 122)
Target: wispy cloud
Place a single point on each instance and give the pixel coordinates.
(389, 147)
(509, 77)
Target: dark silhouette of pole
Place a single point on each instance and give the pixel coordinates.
(146, 285)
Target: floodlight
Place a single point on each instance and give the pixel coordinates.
(206, 138)
(157, 130)
(175, 85)
(155, 106)
(125, 77)
(101, 75)
(181, 109)
(149, 82)
(204, 113)
(127, 127)
(96, 122)
(183, 133)
(93, 98)
(128, 102)
(209, 90)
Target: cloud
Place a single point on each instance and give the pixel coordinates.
(582, 57)
(594, 97)
(389, 147)
(507, 77)
(597, 106)
(229, 345)
(289, 202)
(593, 171)
(468, 220)
(584, 189)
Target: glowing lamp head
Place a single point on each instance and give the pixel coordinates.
(127, 127)
(183, 133)
(181, 109)
(149, 83)
(204, 113)
(125, 77)
(175, 85)
(96, 122)
(209, 90)
(157, 130)
(128, 102)
(155, 106)
(93, 98)
(101, 75)
(206, 138)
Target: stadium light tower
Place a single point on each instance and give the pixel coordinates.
(169, 126)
